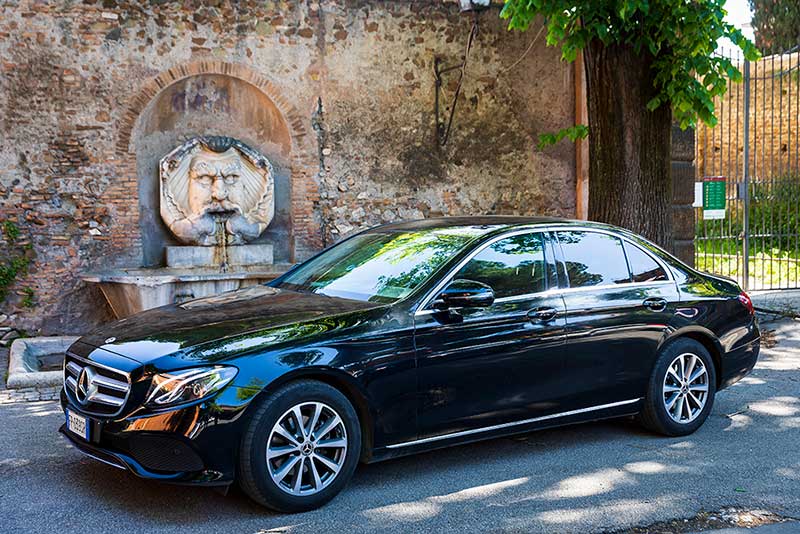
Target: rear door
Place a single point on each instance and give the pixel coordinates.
(619, 301)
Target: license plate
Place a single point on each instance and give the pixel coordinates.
(77, 424)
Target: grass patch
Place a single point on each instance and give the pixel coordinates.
(765, 271)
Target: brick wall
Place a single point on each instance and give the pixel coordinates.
(351, 80)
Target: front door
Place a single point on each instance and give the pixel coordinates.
(503, 363)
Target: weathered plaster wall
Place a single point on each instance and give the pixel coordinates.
(352, 81)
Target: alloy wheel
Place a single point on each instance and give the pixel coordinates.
(685, 388)
(306, 448)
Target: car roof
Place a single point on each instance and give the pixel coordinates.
(491, 223)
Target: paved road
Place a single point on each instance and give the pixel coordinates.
(587, 478)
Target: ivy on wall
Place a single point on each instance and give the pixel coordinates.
(16, 258)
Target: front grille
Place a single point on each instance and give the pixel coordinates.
(97, 389)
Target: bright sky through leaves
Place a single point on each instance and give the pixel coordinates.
(739, 15)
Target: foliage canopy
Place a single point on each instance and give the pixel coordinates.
(680, 35)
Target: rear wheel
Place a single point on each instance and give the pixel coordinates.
(681, 391)
(300, 448)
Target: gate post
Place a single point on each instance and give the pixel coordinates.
(682, 168)
(746, 179)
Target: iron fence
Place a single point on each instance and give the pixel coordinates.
(755, 151)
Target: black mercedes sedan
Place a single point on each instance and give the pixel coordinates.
(405, 338)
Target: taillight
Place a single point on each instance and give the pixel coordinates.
(747, 302)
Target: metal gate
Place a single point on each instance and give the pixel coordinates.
(748, 178)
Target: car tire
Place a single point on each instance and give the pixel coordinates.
(325, 458)
(683, 375)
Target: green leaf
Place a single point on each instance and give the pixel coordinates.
(654, 104)
(573, 133)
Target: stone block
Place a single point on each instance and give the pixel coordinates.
(246, 255)
(683, 222)
(684, 251)
(682, 143)
(239, 255)
(683, 178)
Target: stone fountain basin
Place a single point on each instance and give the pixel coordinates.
(130, 291)
(37, 361)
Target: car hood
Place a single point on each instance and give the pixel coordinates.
(211, 328)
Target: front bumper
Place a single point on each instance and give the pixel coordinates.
(195, 444)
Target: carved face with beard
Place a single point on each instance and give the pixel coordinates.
(215, 185)
(213, 181)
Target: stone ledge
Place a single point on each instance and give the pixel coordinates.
(151, 277)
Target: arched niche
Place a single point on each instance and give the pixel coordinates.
(210, 104)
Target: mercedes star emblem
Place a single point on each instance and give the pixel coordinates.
(87, 388)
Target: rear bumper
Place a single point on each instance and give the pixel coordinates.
(738, 362)
(194, 445)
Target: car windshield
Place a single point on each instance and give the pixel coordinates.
(379, 266)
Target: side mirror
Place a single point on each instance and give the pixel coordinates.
(465, 294)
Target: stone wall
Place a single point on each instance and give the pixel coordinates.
(349, 91)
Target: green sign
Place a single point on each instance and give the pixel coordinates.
(714, 195)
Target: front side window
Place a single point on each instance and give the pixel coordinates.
(643, 267)
(512, 266)
(379, 266)
(593, 259)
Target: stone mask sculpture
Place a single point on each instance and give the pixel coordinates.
(216, 191)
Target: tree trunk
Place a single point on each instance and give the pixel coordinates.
(629, 146)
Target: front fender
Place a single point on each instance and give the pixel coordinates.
(337, 378)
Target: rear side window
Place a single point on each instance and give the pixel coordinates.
(643, 267)
(512, 266)
(593, 259)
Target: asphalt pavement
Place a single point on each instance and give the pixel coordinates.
(588, 478)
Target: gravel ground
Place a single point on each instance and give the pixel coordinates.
(587, 478)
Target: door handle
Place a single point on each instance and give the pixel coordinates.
(656, 304)
(542, 315)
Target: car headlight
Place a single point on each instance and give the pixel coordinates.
(188, 385)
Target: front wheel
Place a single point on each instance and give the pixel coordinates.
(300, 448)
(681, 389)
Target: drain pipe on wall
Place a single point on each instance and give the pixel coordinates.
(443, 127)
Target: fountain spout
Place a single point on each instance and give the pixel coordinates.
(221, 248)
